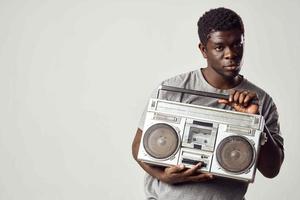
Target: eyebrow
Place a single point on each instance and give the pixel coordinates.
(218, 43)
(222, 43)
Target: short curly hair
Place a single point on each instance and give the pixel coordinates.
(218, 19)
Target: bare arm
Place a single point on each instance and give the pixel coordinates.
(171, 175)
(270, 158)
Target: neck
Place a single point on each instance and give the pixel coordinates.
(218, 81)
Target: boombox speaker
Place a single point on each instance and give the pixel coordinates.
(226, 142)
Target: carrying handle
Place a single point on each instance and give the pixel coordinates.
(193, 92)
(199, 93)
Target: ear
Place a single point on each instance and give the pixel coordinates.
(203, 50)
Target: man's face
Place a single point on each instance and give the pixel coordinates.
(224, 52)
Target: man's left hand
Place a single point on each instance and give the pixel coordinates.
(242, 101)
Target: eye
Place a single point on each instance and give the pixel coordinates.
(238, 45)
(219, 48)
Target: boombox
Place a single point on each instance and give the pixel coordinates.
(226, 142)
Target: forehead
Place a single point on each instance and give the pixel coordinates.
(225, 36)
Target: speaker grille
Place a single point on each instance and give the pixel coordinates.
(235, 154)
(161, 141)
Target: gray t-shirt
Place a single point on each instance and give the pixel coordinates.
(218, 188)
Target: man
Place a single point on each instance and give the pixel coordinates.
(221, 34)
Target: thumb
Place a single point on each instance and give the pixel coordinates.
(223, 101)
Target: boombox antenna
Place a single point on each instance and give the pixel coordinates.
(193, 92)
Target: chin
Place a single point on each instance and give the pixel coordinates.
(232, 75)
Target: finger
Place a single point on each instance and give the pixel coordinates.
(201, 177)
(251, 96)
(231, 94)
(242, 97)
(175, 169)
(193, 170)
(236, 96)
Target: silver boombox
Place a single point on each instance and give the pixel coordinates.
(226, 142)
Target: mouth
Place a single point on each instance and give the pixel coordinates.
(231, 67)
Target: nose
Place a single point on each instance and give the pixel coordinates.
(230, 53)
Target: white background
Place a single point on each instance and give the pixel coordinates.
(76, 75)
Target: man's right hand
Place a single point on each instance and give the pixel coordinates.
(179, 173)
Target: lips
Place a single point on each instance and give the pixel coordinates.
(231, 67)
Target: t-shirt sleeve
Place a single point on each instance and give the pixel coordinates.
(272, 123)
(143, 117)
